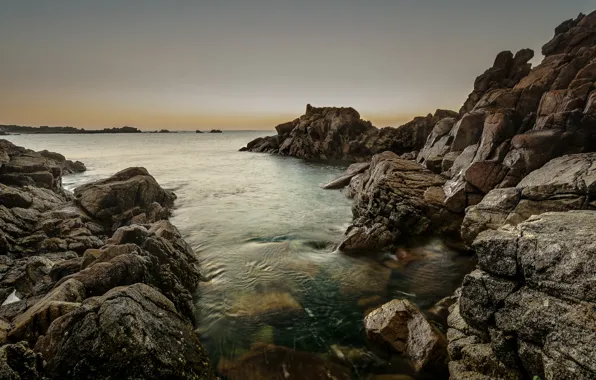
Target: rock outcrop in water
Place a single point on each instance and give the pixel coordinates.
(94, 286)
(515, 122)
(340, 133)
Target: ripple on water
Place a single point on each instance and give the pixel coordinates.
(265, 232)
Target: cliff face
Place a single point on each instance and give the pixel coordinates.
(517, 166)
(515, 121)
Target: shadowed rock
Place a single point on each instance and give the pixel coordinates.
(140, 333)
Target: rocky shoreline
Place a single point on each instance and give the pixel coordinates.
(98, 284)
(512, 175)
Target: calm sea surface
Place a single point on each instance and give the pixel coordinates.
(265, 234)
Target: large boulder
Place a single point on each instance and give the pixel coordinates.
(130, 332)
(127, 193)
(396, 197)
(402, 326)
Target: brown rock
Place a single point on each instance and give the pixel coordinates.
(400, 324)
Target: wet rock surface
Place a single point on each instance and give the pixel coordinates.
(87, 293)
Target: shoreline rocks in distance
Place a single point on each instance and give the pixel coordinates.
(215, 131)
(340, 134)
(19, 129)
(104, 268)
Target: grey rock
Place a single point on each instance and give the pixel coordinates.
(140, 335)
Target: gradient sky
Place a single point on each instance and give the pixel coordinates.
(250, 64)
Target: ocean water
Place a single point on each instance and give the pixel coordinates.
(265, 233)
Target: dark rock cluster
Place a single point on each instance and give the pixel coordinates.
(97, 285)
(340, 134)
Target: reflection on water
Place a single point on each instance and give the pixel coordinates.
(265, 234)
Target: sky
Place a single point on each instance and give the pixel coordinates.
(251, 64)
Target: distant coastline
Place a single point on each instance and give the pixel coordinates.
(19, 129)
(6, 130)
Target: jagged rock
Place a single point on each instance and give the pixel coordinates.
(481, 296)
(506, 72)
(572, 35)
(410, 136)
(531, 357)
(68, 166)
(19, 362)
(402, 325)
(339, 133)
(37, 319)
(106, 253)
(440, 310)
(490, 213)
(131, 189)
(537, 299)
(392, 202)
(343, 180)
(140, 335)
(479, 362)
(133, 234)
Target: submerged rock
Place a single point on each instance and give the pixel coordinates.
(402, 326)
(280, 363)
(261, 305)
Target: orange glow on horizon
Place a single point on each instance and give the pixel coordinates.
(99, 118)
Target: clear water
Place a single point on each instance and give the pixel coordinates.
(265, 234)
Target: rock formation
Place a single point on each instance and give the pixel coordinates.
(340, 133)
(516, 169)
(101, 269)
(530, 308)
(515, 121)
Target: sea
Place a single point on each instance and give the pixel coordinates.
(266, 236)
